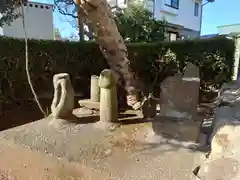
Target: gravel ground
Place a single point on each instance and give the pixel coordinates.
(121, 154)
(18, 163)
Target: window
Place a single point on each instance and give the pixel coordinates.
(172, 3)
(172, 36)
(196, 9)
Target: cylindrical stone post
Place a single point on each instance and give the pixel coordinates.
(108, 97)
(95, 89)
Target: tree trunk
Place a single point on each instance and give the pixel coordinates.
(80, 25)
(98, 16)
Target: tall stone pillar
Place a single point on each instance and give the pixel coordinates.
(108, 97)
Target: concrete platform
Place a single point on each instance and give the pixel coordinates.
(121, 154)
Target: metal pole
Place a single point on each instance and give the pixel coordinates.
(202, 16)
(153, 9)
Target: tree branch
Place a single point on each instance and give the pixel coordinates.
(64, 12)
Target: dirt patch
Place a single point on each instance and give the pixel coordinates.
(20, 163)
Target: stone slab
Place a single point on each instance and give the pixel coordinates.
(89, 104)
(182, 130)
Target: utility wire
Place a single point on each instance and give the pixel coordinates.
(27, 61)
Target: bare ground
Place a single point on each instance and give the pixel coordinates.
(18, 163)
(81, 151)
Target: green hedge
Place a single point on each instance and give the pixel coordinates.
(213, 56)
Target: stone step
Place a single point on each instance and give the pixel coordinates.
(89, 104)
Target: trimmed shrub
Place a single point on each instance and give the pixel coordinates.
(81, 60)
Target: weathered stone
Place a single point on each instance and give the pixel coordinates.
(219, 169)
(95, 89)
(108, 97)
(179, 95)
(132, 101)
(168, 96)
(230, 92)
(191, 71)
(185, 131)
(191, 85)
(88, 103)
(149, 108)
(224, 160)
(63, 100)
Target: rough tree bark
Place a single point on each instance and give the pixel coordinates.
(98, 16)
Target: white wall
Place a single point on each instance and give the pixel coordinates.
(119, 3)
(1, 29)
(38, 20)
(227, 29)
(183, 16)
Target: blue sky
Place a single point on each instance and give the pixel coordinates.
(221, 12)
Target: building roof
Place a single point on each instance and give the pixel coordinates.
(237, 24)
(208, 36)
(40, 3)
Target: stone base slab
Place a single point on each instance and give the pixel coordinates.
(182, 130)
(89, 104)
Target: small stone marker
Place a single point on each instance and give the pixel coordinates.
(108, 97)
(95, 89)
(149, 108)
(63, 100)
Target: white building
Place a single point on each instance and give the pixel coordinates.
(182, 16)
(229, 29)
(38, 20)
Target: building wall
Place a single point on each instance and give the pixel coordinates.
(227, 29)
(118, 3)
(1, 29)
(188, 33)
(183, 16)
(38, 20)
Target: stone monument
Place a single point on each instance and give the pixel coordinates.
(178, 107)
(180, 94)
(63, 99)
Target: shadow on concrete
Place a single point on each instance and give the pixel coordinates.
(171, 144)
(169, 134)
(83, 120)
(133, 121)
(121, 116)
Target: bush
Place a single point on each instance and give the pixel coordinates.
(213, 56)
